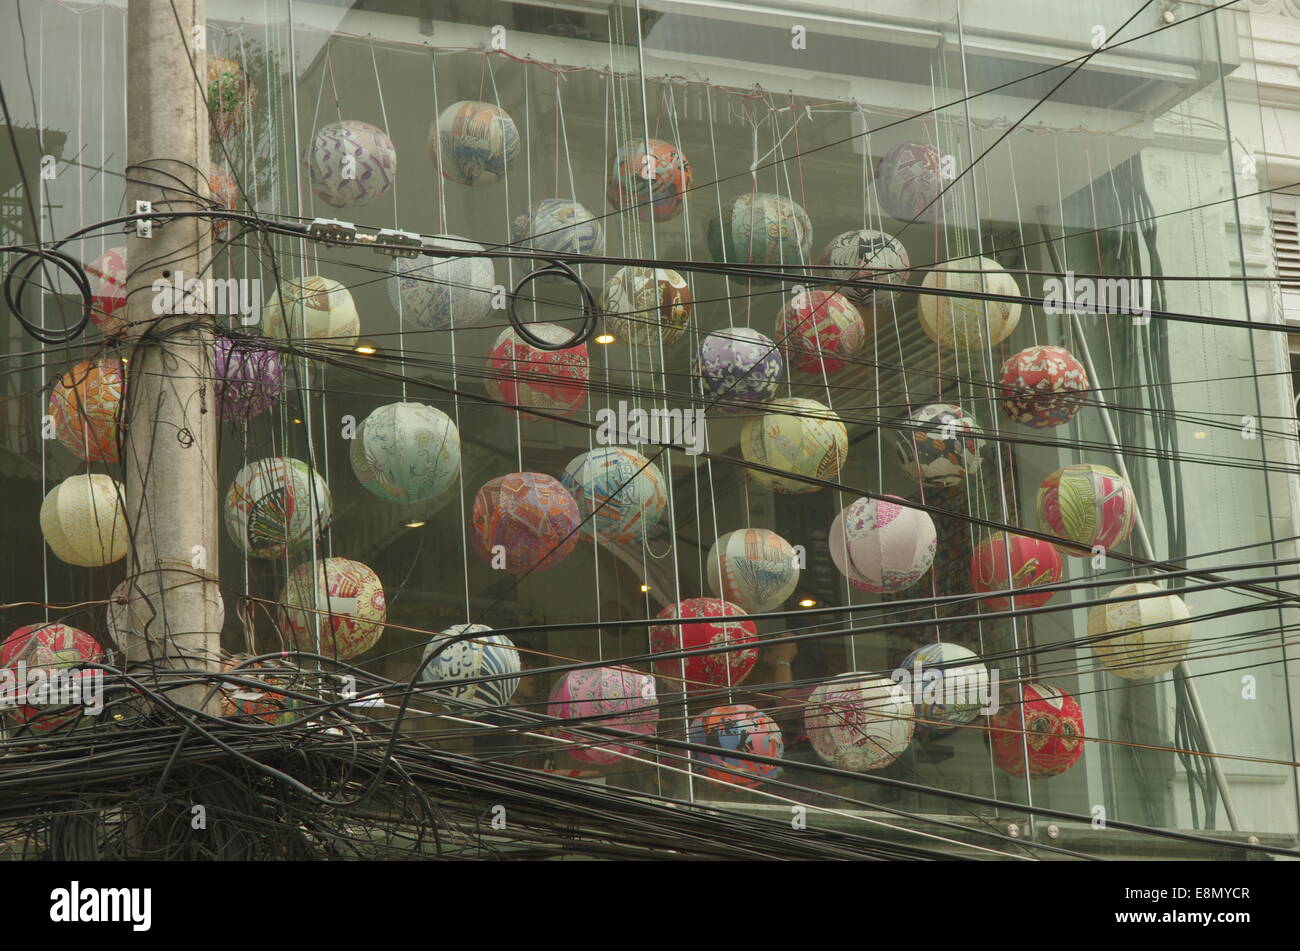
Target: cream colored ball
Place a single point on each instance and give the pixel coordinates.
(958, 323)
(314, 308)
(84, 521)
(1144, 651)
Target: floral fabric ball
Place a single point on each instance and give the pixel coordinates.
(820, 331)
(799, 436)
(485, 655)
(616, 698)
(938, 444)
(248, 379)
(1089, 505)
(1043, 386)
(1033, 562)
(348, 600)
(553, 380)
(653, 179)
(866, 255)
(406, 452)
(107, 274)
(724, 669)
(1049, 722)
(761, 230)
(620, 494)
(442, 293)
(276, 507)
(524, 522)
(859, 722)
(731, 732)
(879, 545)
(1145, 637)
(561, 225)
(736, 367)
(314, 308)
(85, 404)
(474, 143)
(647, 305)
(753, 567)
(909, 180)
(351, 163)
(962, 323)
(47, 648)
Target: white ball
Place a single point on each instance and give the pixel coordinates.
(753, 567)
(443, 292)
(859, 722)
(882, 545)
(84, 521)
(1139, 653)
(486, 655)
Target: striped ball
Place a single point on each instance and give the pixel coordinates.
(488, 655)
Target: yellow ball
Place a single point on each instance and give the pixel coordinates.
(958, 323)
(84, 522)
(1137, 650)
(813, 443)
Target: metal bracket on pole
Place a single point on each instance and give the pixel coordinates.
(144, 226)
(1144, 541)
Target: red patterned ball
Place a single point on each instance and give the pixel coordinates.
(818, 330)
(524, 522)
(705, 670)
(107, 275)
(224, 191)
(551, 380)
(1048, 722)
(653, 179)
(85, 404)
(1043, 386)
(47, 648)
(1033, 562)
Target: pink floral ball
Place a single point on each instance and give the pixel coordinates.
(618, 698)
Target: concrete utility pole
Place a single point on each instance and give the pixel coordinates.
(171, 435)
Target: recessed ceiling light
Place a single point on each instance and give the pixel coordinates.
(416, 524)
(645, 589)
(297, 422)
(364, 349)
(1198, 435)
(605, 338)
(807, 603)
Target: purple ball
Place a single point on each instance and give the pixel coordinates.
(737, 364)
(248, 379)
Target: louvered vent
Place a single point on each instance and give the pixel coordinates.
(1286, 247)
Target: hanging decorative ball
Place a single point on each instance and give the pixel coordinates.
(244, 700)
(127, 618)
(225, 192)
(552, 380)
(753, 567)
(761, 230)
(859, 722)
(734, 731)
(654, 180)
(938, 444)
(909, 180)
(1145, 637)
(866, 255)
(1033, 562)
(474, 143)
(962, 323)
(52, 649)
(645, 305)
(558, 224)
(84, 521)
(1043, 386)
(725, 669)
(484, 655)
(444, 293)
(248, 379)
(85, 403)
(276, 507)
(524, 522)
(950, 682)
(1049, 722)
(812, 443)
(737, 366)
(314, 308)
(880, 545)
(620, 494)
(406, 452)
(352, 163)
(614, 698)
(107, 274)
(819, 331)
(1089, 505)
(347, 598)
(231, 94)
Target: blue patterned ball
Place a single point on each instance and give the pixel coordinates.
(737, 365)
(474, 143)
(406, 452)
(947, 686)
(488, 655)
(438, 293)
(559, 224)
(620, 493)
(761, 230)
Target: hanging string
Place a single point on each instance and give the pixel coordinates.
(397, 270)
